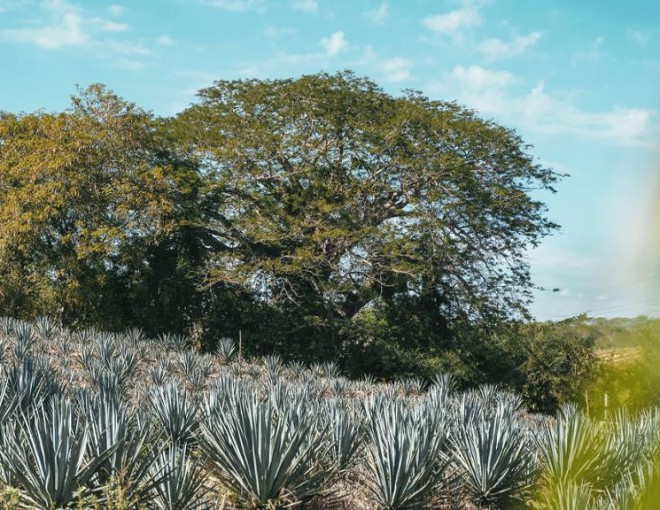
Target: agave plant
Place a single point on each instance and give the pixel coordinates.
(174, 341)
(45, 327)
(175, 413)
(567, 496)
(571, 449)
(196, 369)
(181, 484)
(30, 384)
(134, 335)
(268, 460)
(111, 428)
(225, 350)
(493, 453)
(346, 435)
(7, 325)
(47, 454)
(628, 493)
(159, 374)
(404, 455)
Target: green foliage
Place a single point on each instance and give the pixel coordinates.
(333, 195)
(403, 462)
(319, 218)
(95, 217)
(262, 454)
(628, 375)
(490, 446)
(559, 363)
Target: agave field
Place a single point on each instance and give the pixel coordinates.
(119, 421)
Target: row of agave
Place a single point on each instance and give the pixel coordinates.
(119, 421)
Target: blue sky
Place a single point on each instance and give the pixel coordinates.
(578, 80)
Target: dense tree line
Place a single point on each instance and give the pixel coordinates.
(320, 217)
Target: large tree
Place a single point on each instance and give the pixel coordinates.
(336, 200)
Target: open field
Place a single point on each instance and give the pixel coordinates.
(619, 354)
(99, 420)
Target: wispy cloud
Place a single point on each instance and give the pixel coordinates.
(454, 22)
(495, 49)
(273, 31)
(335, 44)
(237, 5)
(105, 25)
(492, 93)
(165, 40)
(64, 28)
(305, 5)
(65, 25)
(395, 69)
(477, 78)
(593, 54)
(641, 37)
(58, 25)
(378, 15)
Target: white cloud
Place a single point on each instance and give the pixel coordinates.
(126, 48)
(305, 5)
(237, 5)
(109, 26)
(641, 37)
(476, 78)
(491, 93)
(273, 31)
(377, 15)
(494, 49)
(165, 40)
(454, 22)
(396, 69)
(335, 43)
(66, 26)
(593, 54)
(116, 10)
(60, 24)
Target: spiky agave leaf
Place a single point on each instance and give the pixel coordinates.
(45, 327)
(264, 458)
(493, 453)
(345, 432)
(181, 484)
(30, 384)
(571, 449)
(112, 428)
(175, 412)
(568, 495)
(46, 454)
(403, 457)
(225, 350)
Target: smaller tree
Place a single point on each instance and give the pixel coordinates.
(80, 193)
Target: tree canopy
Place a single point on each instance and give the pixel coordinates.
(321, 216)
(335, 197)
